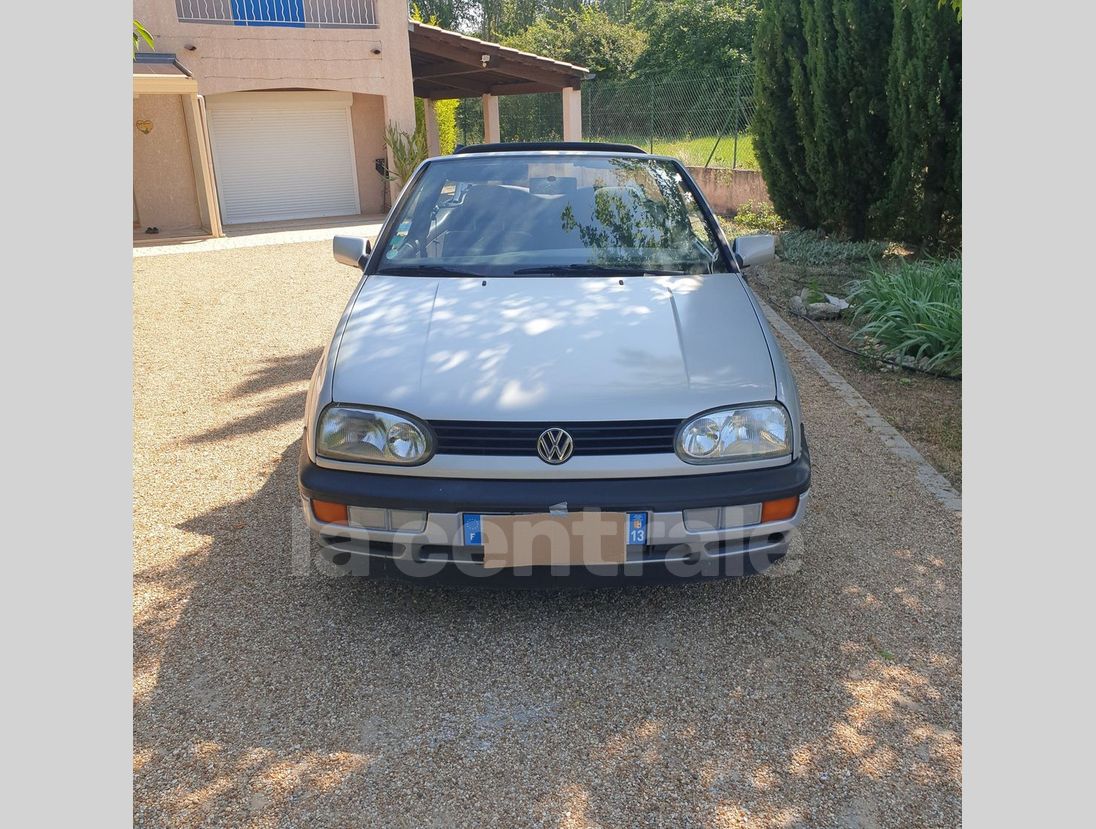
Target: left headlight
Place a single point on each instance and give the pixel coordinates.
(372, 435)
(738, 434)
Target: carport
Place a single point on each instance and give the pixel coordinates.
(447, 65)
(173, 182)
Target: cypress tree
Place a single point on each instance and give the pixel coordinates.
(782, 96)
(924, 199)
(821, 121)
(847, 151)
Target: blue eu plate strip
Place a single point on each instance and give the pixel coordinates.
(473, 530)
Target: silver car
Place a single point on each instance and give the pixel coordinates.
(553, 369)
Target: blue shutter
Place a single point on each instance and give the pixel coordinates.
(269, 13)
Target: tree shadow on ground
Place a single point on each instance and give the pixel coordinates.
(285, 695)
(270, 374)
(277, 371)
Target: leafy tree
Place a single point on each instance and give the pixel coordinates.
(449, 14)
(924, 92)
(499, 19)
(586, 36)
(956, 5)
(698, 38)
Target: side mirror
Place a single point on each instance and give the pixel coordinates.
(351, 250)
(754, 250)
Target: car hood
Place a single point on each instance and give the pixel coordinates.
(553, 348)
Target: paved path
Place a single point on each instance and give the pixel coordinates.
(825, 694)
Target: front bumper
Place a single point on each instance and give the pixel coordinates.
(673, 551)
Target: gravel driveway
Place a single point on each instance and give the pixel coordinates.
(824, 694)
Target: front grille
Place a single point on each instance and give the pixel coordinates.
(606, 437)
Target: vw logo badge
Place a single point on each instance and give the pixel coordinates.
(554, 446)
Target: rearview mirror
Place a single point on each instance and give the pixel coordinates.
(754, 250)
(351, 250)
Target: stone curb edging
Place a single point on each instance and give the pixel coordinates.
(933, 481)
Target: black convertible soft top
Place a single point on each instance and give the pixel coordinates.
(529, 146)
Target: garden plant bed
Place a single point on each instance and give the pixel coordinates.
(927, 410)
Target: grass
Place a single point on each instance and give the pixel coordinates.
(914, 311)
(693, 152)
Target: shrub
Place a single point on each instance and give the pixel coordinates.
(758, 216)
(914, 311)
(408, 150)
(446, 111)
(809, 247)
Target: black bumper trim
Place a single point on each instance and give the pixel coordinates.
(663, 494)
(540, 578)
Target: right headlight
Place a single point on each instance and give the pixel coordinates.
(349, 433)
(741, 433)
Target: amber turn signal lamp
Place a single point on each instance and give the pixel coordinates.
(780, 509)
(329, 512)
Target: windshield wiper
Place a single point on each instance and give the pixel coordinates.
(424, 270)
(607, 270)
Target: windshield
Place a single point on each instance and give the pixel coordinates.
(506, 216)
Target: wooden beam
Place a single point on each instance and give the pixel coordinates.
(505, 64)
(439, 94)
(467, 85)
(205, 160)
(432, 48)
(443, 69)
(164, 85)
(522, 88)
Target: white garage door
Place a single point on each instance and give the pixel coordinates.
(283, 155)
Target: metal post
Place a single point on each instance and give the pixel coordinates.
(737, 121)
(652, 130)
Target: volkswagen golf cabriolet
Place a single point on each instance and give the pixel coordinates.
(553, 369)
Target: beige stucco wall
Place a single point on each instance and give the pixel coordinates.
(727, 190)
(236, 58)
(163, 172)
(367, 119)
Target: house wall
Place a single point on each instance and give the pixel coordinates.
(163, 171)
(228, 58)
(367, 120)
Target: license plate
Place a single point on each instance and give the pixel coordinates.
(473, 529)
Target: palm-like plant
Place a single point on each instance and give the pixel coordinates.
(408, 150)
(141, 33)
(914, 311)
